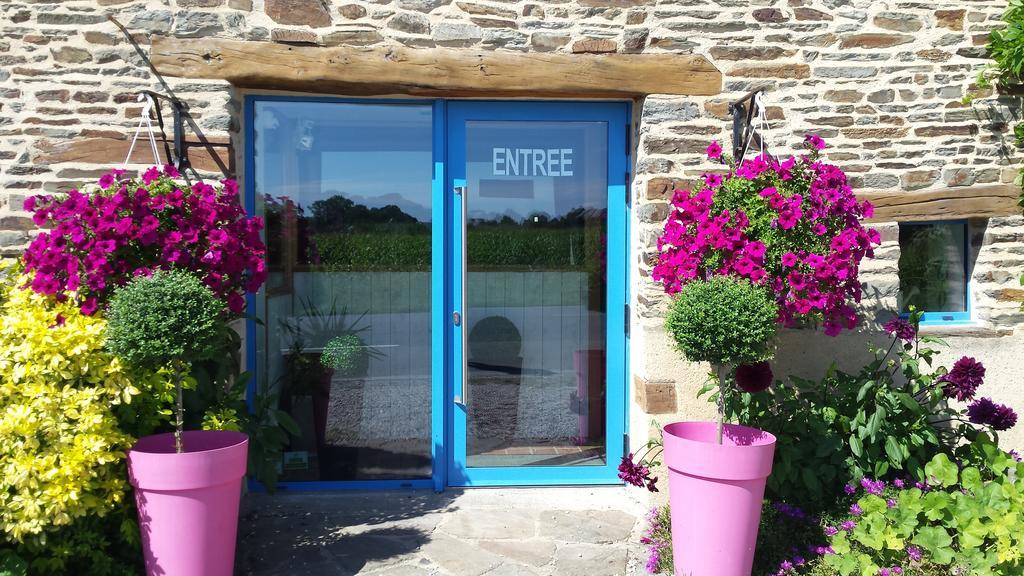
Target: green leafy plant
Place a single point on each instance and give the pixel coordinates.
(1006, 44)
(957, 521)
(169, 318)
(725, 321)
(892, 415)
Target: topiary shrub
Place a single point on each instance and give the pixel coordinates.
(723, 320)
(169, 318)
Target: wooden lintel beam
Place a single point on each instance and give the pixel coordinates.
(981, 201)
(434, 71)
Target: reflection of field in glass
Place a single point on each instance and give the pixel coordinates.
(501, 246)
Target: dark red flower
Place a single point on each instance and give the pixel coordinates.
(756, 377)
(963, 380)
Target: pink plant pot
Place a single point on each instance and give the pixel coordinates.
(715, 493)
(188, 503)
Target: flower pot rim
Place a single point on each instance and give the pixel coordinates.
(677, 431)
(148, 444)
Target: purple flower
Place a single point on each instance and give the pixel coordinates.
(872, 486)
(900, 328)
(848, 525)
(831, 531)
(898, 483)
(755, 377)
(636, 474)
(914, 553)
(714, 151)
(963, 380)
(884, 572)
(987, 413)
(814, 141)
(652, 561)
(890, 502)
(850, 489)
(856, 510)
(712, 180)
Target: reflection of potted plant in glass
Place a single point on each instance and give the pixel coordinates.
(307, 379)
(187, 484)
(495, 348)
(347, 355)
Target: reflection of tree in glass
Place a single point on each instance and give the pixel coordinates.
(924, 267)
(340, 214)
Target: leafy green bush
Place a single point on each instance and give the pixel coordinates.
(1006, 44)
(893, 415)
(169, 316)
(723, 320)
(958, 523)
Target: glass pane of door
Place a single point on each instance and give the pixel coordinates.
(535, 292)
(345, 346)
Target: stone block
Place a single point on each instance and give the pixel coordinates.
(780, 71)
(738, 53)
(594, 45)
(655, 397)
(71, 55)
(918, 179)
(353, 38)
(951, 19)
(299, 12)
(898, 21)
(947, 130)
(548, 41)
(873, 40)
(292, 36)
(769, 15)
(804, 14)
(352, 11)
(410, 22)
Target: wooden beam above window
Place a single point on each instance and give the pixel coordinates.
(364, 71)
(982, 201)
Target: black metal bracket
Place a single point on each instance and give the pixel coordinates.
(179, 110)
(742, 112)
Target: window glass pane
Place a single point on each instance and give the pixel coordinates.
(932, 267)
(536, 298)
(345, 346)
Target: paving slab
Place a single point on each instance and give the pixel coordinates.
(566, 531)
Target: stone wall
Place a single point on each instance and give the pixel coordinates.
(883, 81)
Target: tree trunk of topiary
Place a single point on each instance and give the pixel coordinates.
(722, 372)
(179, 417)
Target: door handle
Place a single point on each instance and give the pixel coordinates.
(463, 396)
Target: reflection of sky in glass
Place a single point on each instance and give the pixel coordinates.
(523, 187)
(373, 154)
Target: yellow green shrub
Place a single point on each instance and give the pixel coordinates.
(66, 416)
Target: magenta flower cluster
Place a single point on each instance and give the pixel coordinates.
(794, 226)
(99, 241)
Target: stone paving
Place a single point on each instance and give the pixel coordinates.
(568, 531)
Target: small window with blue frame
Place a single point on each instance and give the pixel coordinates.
(934, 271)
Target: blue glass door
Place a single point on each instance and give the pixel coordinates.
(538, 234)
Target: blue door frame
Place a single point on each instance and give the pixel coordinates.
(615, 116)
(448, 428)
